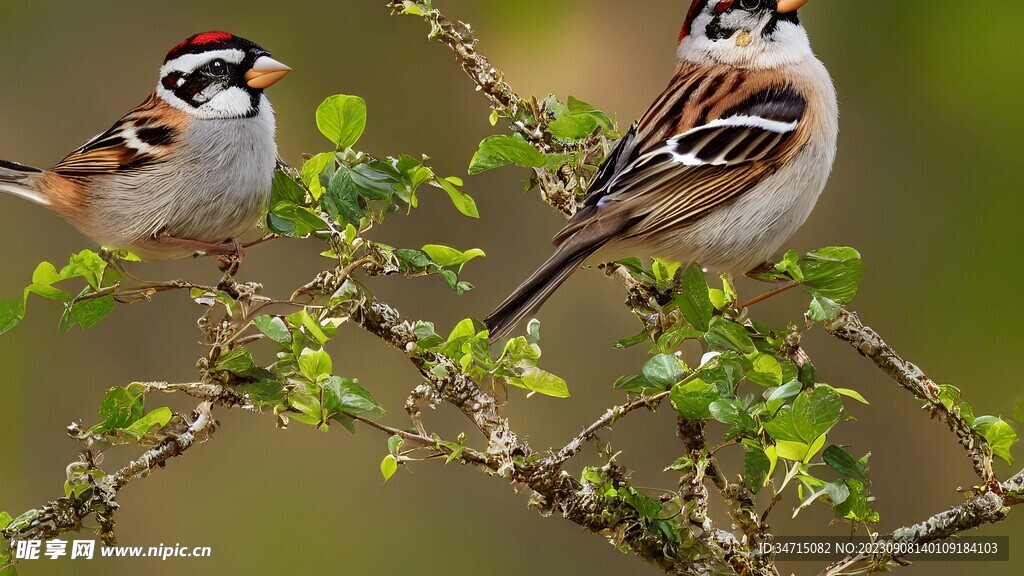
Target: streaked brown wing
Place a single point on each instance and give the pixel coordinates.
(678, 180)
(133, 141)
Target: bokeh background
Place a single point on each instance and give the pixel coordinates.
(926, 186)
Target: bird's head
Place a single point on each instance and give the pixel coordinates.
(216, 75)
(749, 33)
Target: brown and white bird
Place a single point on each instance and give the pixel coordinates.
(186, 171)
(725, 165)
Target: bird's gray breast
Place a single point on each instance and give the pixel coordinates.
(227, 184)
(214, 186)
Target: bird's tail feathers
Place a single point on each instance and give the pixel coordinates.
(531, 294)
(18, 179)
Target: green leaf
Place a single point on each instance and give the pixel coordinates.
(465, 328)
(577, 119)
(286, 189)
(833, 273)
(727, 410)
(573, 126)
(463, 202)
(426, 337)
(999, 434)
(315, 363)
(776, 397)
(347, 396)
(287, 219)
(635, 383)
(823, 309)
(1018, 414)
(395, 444)
(766, 371)
(12, 312)
(446, 256)
(647, 507)
(341, 201)
(695, 301)
(121, 407)
(852, 394)
(388, 467)
(755, 469)
(264, 393)
(502, 150)
(237, 361)
(311, 171)
(87, 313)
(88, 265)
(664, 370)
(841, 461)
(693, 399)
(795, 451)
(533, 331)
(5, 519)
(814, 414)
(342, 119)
(157, 418)
(274, 328)
(631, 341)
(855, 506)
(544, 382)
(724, 334)
(781, 428)
(312, 326)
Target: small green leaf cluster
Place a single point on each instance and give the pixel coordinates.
(997, 431)
(657, 516)
(468, 346)
(299, 385)
(578, 136)
(124, 420)
(78, 311)
(831, 275)
(340, 195)
(433, 259)
(397, 455)
(347, 187)
(774, 408)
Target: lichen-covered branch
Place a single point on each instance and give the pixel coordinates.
(68, 513)
(988, 507)
(849, 328)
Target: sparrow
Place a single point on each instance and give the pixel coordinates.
(724, 166)
(186, 171)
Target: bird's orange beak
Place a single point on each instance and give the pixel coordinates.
(265, 72)
(786, 6)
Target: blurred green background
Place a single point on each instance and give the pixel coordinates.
(926, 186)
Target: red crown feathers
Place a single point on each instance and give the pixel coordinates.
(201, 40)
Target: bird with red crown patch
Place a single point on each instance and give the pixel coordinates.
(724, 166)
(188, 170)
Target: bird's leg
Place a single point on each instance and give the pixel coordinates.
(112, 260)
(229, 253)
(230, 257)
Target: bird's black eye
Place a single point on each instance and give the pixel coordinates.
(750, 4)
(217, 68)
